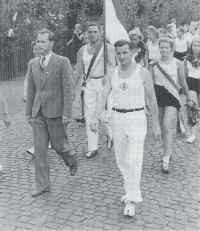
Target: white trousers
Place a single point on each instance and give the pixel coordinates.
(91, 92)
(129, 131)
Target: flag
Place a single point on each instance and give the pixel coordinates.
(14, 17)
(115, 22)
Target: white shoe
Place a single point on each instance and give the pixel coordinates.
(123, 199)
(191, 139)
(129, 209)
(166, 164)
(1, 168)
(109, 143)
(30, 151)
(92, 153)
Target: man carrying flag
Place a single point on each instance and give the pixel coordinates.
(90, 62)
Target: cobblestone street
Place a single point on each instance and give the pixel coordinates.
(91, 199)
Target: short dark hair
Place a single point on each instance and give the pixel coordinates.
(121, 43)
(94, 24)
(33, 43)
(46, 31)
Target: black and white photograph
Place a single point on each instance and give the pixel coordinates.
(99, 115)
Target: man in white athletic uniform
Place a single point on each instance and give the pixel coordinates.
(129, 83)
(95, 81)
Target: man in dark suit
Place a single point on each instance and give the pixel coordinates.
(50, 97)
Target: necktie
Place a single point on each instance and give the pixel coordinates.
(42, 65)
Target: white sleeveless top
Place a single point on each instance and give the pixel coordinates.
(181, 45)
(98, 66)
(128, 93)
(193, 72)
(171, 70)
(154, 51)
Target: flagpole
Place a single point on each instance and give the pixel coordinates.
(105, 52)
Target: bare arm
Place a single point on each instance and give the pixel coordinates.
(81, 37)
(147, 51)
(79, 68)
(182, 80)
(145, 60)
(101, 101)
(111, 56)
(150, 94)
(111, 61)
(152, 73)
(185, 69)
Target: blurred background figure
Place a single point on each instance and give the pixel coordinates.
(173, 24)
(192, 32)
(76, 44)
(4, 110)
(169, 30)
(153, 51)
(192, 73)
(186, 29)
(181, 44)
(162, 32)
(138, 47)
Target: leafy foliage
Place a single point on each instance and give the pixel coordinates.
(59, 14)
(142, 13)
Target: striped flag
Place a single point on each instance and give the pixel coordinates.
(115, 22)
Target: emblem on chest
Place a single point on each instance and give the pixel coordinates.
(124, 86)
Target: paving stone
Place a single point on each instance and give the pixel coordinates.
(91, 199)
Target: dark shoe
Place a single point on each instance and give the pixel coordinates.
(109, 143)
(39, 192)
(82, 120)
(92, 153)
(73, 168)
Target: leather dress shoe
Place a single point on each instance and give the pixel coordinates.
(39, 192)
(30, 151)
(73, 168)
(80, 120)
(92, 153)
(109, 143)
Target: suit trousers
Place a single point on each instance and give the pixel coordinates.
(129, 131)
(91, 92)
(45, 129)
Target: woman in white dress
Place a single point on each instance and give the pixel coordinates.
(181, 44)
(152, 46)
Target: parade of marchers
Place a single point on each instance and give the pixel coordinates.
(123, 83)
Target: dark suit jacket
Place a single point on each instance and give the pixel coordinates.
(53, 91)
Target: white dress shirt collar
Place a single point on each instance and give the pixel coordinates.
(47, 58)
